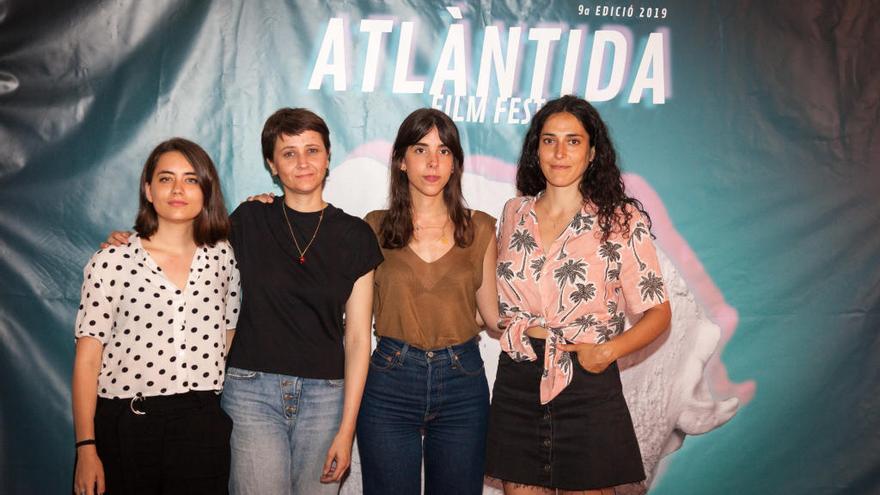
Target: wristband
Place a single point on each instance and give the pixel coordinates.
(81, 443)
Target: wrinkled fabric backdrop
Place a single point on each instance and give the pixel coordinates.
(750, 129)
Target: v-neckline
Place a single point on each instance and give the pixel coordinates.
(413, 251)
(539, 239)
(157, 269)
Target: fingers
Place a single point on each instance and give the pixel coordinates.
(117, 238)
(267, 198)
(101, 487)
(341, 468)
(329, 470)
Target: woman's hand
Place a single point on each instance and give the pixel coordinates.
(116, 238)
(89, 477)
(338, 459)
(267, 198)
(592, 357)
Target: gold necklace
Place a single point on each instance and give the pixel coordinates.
(443, 239)
(302, 252)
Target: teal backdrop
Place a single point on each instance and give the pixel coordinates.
(757, 127)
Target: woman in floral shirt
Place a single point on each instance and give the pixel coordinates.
(575, 255)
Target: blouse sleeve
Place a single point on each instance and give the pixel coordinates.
(233, 293)
(94, 318)
(640, 276)
(507, 295)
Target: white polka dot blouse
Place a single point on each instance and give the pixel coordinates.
(159, 339)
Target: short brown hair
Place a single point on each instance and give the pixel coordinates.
(212, 224)
(290, 122)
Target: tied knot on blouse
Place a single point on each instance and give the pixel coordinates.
(578, 289)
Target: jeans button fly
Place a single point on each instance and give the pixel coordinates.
(430, 354)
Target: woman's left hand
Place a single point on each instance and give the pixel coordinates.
(593, 357)
(338, 459)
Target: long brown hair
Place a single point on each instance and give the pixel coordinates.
(212, 224)
(396, 228)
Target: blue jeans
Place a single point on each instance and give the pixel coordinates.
(441, 396)
(282, 428)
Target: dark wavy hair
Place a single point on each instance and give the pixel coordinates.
(396, 228)
(601, 183)
(212, 224)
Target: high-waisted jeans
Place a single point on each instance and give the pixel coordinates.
(423, 403)
(282, 428)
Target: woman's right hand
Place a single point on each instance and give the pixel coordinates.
(89, 477)
(267, 198)
(116, 238)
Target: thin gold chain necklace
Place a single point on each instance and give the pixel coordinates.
(302, 252)
(443, 240)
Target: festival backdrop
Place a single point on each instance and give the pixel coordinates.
(751, 131)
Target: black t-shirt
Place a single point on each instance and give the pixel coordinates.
(291, 319)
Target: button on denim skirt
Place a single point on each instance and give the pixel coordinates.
(583, 439)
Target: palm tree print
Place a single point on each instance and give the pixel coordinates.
(614, 273)
(504, 272)
(582, 293)
(652, 286)
(562, 254)
(608, 251)
(520, 241)
(503, 307)
(581, 222)
(582, 323)
(564, 362)
(604, 334)
(637, 234)
(537, 265)
(570, 272)
(616, 323)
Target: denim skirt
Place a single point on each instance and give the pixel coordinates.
(583, 439)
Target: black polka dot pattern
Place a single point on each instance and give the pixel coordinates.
(150, 350)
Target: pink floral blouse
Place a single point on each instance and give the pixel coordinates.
(578, 289)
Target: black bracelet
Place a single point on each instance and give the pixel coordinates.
(90, 441)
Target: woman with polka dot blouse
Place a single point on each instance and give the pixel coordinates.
(151, 339)
(297, 370)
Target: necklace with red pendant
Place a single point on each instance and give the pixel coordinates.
(302, 252)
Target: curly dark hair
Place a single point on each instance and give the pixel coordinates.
(601, 183)
(396, 229)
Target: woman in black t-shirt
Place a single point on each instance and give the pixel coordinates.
(302, 345)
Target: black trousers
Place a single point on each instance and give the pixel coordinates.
(180, 445)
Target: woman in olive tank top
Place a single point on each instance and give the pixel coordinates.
(426, 377)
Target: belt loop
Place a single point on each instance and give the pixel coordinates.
(452, 357)
(403, 351)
